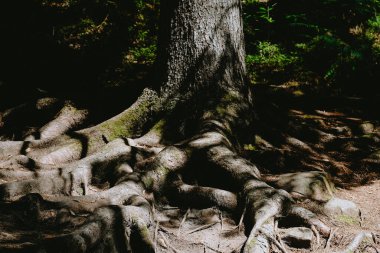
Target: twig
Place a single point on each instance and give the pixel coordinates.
(211, 248)
(183, 221)
(203, 227)
(221, 220)
(154, 212)
(316, 233)
(169, 207)
(282, 244)
(242, 217)
(276, 234)
(277, 242)
(371, 246)
(167, 242)
(329, 238)
(374, 238)
(240, 222)
(275, 226)
(156, 235)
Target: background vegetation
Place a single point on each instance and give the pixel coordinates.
(68, 46)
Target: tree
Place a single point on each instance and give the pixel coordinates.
(195, 115)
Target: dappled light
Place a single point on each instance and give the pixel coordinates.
(189, 126)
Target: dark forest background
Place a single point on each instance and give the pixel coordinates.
(70, 46)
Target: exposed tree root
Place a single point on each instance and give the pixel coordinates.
(13, 120)
(309, 218)
(100, 198)
(78, 144)
(68, 118)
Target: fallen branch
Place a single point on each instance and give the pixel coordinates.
(203, 227)
(372, 246)
(156, 235)
(329, 238)
(211, 248)
(242, 217)
(167, 242)
(316, 233)
(277, 242)
(183, 221)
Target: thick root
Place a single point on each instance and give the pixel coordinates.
(263, 202)
(14, 120)
(109, 229)
(53, 148)
(72, 179)
(116, 182)
(68, 118)
(309, 218)
(201, 197)
(260, 242)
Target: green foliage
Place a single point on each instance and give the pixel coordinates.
(269, 59)
(249, 147)
(336, 43)
(106, 42)
(270, 56)
(77, 43)
(264, 13)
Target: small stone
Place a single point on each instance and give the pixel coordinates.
(297, 237)
(338, 207)
(367, 128)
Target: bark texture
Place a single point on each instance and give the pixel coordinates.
(98, 189)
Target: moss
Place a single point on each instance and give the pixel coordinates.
(143, 233)
(367, 136)
(116, 129)
(251, 244)
(147, 181)
(230, 97)
(155, 178)
(76, 145)
(347, 219)
(159, 126)
(249, 147)
(128, 124)
(221, 110)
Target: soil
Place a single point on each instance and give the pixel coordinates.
(196, 230)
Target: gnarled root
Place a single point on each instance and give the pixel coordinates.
(51, 147)
(102, 202)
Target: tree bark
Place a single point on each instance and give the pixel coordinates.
(202, 60)
(195, 116)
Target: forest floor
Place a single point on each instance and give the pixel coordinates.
(293, 132)
(202, 230)
(337, 135)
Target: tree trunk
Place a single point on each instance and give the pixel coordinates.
(201, 61)
(95, 189)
